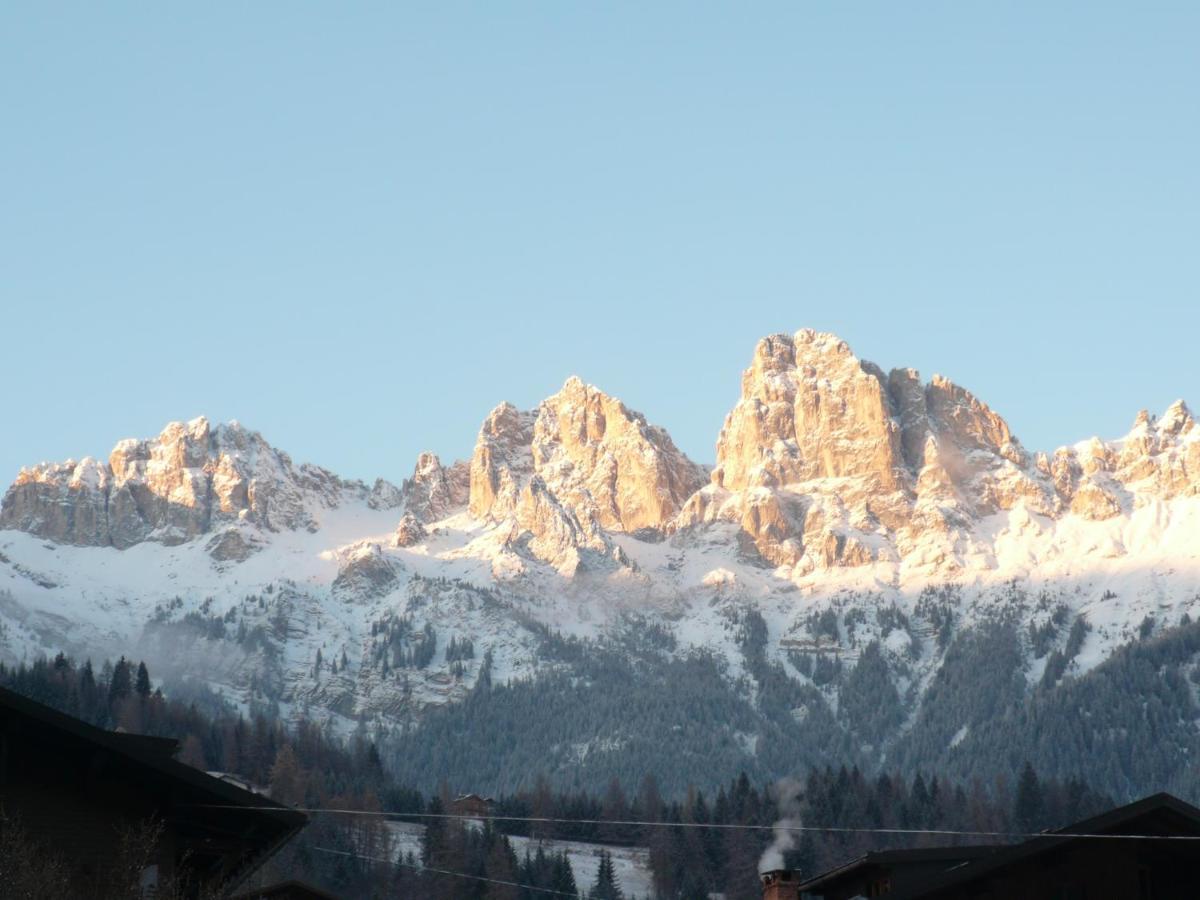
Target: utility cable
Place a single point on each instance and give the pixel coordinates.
(414, 866)
(830, 829)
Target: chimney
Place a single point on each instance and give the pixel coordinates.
(781, 884)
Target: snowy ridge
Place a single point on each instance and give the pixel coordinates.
(898, 505)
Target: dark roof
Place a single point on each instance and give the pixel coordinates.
(286, 890)
(1146, 814)
(210, 801)
(900, 857)
(1114, 821)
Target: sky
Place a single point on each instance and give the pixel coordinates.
(358, 227)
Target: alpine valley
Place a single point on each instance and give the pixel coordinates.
(875, 572)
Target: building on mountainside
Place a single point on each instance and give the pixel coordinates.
(89, 802)
(472, 805)
(1148, 850)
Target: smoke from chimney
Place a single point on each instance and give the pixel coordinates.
(787, 796)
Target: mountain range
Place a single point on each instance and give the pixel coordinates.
(874, 570)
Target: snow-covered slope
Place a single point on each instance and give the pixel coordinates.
(836, 487)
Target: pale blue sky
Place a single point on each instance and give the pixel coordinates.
(356, 230)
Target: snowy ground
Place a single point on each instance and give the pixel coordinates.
(462, 582)
(631, 864)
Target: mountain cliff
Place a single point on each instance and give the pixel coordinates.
(848, 507)
(190, 480)
(825, 462)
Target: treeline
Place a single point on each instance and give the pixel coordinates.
(1129, 722)
(1007, 688)
(303, 765)
(365, 856)
(691, 861)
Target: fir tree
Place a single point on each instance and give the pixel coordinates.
(606, 887)
(1029, 807)
(563, 878)
(87, 678)
(142, 684)
(121, 683)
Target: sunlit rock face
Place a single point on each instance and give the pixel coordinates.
(1158, 460)
(580, 465)
(597, 455)
(566, 539)
(66, 502)
(809, 410)
(825, 462)
(186, 482)
(502, 462)
(433, 492)
(410, 531)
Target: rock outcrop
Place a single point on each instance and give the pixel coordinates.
(231, 545)
(384, 495)
(65, 502)
(502, 462)
(826, 461)
(580, 465)
(547, 530)
(1159, 459)
(600, 456)
(433, 492)
(825, 458)
(410, 531)
(365, 571)
(809, 410)
(190, 480)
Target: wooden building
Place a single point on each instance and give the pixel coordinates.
(78, 792)
(471, 805)
(1148, 850)
(885, 873)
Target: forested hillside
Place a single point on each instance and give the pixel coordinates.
(621, 707)
(357, 854)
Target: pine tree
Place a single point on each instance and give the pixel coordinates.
(606, 887)
(121, 683)
(287, 778)
(142, 684)
(563, 878)
(87, 677)
(502, 867)
(1029, 808)
(614, 809)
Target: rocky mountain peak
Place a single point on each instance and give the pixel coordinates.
(501, 463)
(189, 480)
(848, 456)
(599, 455)
(809, 409)
(1177, 420)
(433, 491)
(824, 461)
(581, 457)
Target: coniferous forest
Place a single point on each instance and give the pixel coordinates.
(358, 854)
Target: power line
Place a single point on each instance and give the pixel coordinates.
(414, 866)
(829, 829)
